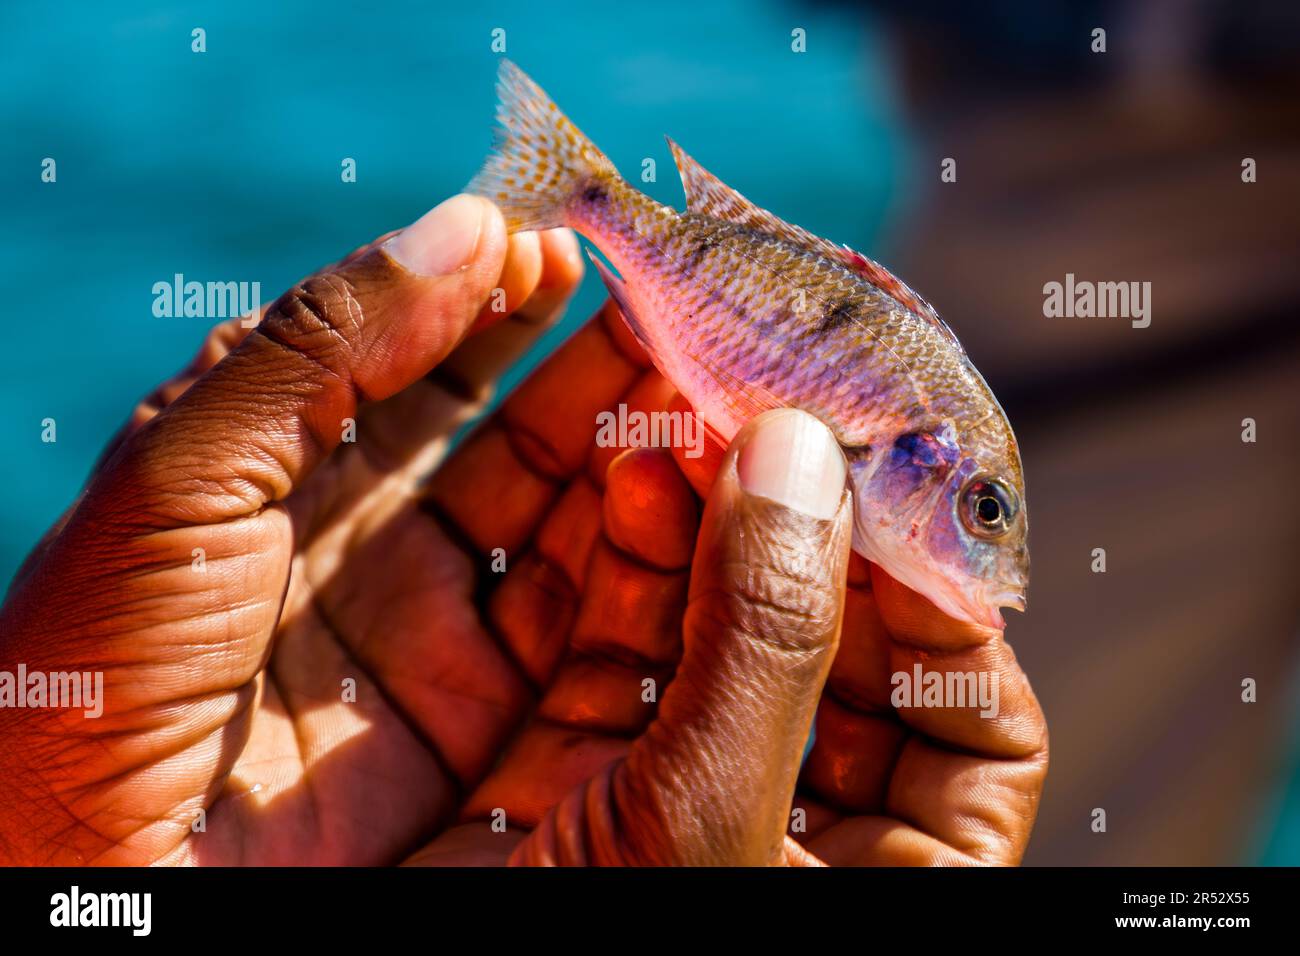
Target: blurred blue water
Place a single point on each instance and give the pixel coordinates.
(225, 165)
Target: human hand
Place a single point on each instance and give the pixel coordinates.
(883, 785)
(224, 698)
(233, 561)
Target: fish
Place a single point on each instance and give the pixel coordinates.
(744, 312)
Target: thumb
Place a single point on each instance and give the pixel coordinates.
(712, 780)
(254, 426)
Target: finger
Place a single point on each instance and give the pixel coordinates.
(883, 841)
(534, 607)
(858, 733)
(554, 414)
(700, 466)
(650, 513)
(471, 844)
(996, 714)
(649, 396)
(649, 530)
(712, 779)
(496, 488)
(361, 250)
(254, 426)
(852, 758)
(982, 801)
(505, 480)
(519, 277)
(539, 276)
(943, 808)
(956, 782)
(532, 610)
(537, 772)
(766, 604)
(536, 300)
(627, 630)
(221, 338)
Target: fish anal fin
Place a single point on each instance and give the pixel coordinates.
(618, 289)
(618, 292)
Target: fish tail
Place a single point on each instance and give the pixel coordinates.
(540, 161)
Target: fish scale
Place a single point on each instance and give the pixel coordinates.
(783, 336)
(744, 312)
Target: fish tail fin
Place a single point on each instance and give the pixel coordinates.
(540, 160)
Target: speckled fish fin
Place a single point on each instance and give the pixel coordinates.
(618, 292)
(540, 161)
(708, 195)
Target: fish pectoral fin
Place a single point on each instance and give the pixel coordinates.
(618, 292)
(746, 399)
(708, 195)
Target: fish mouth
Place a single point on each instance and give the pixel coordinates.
(1012, 597)
(986, 609)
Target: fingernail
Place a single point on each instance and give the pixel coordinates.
(443, 240)
(793, 459)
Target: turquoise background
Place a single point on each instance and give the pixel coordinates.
(225, 165)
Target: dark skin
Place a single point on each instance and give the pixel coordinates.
(476, 691)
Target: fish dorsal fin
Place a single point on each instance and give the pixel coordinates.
(708, 195)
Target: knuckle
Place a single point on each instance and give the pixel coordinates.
(784, 607)
(320, 318)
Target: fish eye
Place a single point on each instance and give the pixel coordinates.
(988, 507)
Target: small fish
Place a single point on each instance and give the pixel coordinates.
(744, 312)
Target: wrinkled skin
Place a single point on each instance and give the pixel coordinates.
(475, 690)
